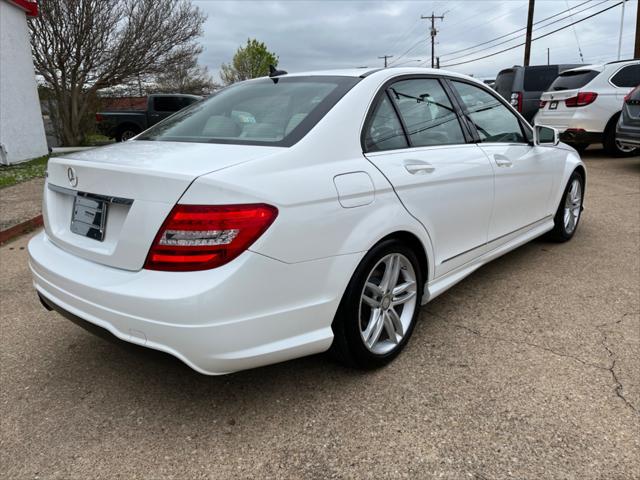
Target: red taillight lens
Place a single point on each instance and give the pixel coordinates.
(582, 99)
(542, 103)
(627, 97)
(200, 237)
(98, 118)
(516, 100)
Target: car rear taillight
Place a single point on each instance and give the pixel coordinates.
(582, 99)
(542, 103)
(99, 118)
(200, 237)
(627, 97)
(516, 101)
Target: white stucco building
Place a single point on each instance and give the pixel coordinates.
(21, 127)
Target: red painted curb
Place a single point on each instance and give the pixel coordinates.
(17, 230)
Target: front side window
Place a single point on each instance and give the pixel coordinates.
(428, 115)
(275, 112)
(384, 131)
(627, 77)
(491, 118)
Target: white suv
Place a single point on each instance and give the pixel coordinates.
(584, 104)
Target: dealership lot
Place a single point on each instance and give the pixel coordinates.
(530, 368)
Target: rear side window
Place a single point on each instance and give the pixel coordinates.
(538, 79)
(268, 112)
(385, 131)
(504, 83)
(428, 115)
(571, 80)
(627, 77)
(491, 118)
(168, 104)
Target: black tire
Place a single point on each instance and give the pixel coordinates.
(126, 132)
(560, 233)
(348, 346)
(611, 146)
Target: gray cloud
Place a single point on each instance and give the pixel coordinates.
(310, 35)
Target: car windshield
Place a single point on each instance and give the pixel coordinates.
(266, 111)
(572, 79)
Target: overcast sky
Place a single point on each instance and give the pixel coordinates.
(309, 35)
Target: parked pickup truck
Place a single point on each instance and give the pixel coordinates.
(125, 124)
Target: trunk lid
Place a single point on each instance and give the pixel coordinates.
(132, 186)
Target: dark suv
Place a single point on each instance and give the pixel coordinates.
(628, 129)
(522, 86)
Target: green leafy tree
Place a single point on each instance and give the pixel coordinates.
(250, 61)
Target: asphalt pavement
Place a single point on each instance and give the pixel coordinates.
(528, 369)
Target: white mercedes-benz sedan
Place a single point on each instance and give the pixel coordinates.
(297, 213)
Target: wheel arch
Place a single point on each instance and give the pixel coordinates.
(411, 240)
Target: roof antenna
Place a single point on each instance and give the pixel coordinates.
(273, 72)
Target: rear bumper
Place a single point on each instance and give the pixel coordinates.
(251, 312)
(628, 136)
(580, 137)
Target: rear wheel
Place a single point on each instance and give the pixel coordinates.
(569, 211)
(126, 133)
(380, 306)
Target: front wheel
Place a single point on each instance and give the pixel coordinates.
(380, 306)
(570, 209)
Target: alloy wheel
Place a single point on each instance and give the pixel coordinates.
(572, 206)
(388, 303)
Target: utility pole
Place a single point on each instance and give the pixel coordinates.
(433, 32)
(527, 46)
(385, 59)
(621, 27)
(548, 55)
(636, 50)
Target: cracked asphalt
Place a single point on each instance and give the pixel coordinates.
(528, 369)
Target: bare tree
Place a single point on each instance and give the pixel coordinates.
(185, 75)
(82, 46)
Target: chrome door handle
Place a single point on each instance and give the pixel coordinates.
(419, 168)
(502, 161)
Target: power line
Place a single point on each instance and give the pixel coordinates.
(407, 51)
(515, 38)
(524, 28)
(534, 39)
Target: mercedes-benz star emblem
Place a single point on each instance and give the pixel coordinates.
(71, 175)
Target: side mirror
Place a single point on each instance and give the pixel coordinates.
(545, 135)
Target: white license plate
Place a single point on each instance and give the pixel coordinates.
(553, 105)
(89, 217)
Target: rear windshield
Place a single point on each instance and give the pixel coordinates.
(573, 79)
(504, 83)
(538, 79)
(275, 112)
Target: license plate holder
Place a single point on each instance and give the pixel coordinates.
(553, 105)
(89, 217)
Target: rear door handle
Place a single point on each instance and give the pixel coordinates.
(502, 161)
(417, 167)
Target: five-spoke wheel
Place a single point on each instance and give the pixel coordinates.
(380, 306)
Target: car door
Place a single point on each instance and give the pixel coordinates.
(524, 173)
(415, 137)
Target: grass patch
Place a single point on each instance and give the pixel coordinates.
(21, 172)
(97, 139)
